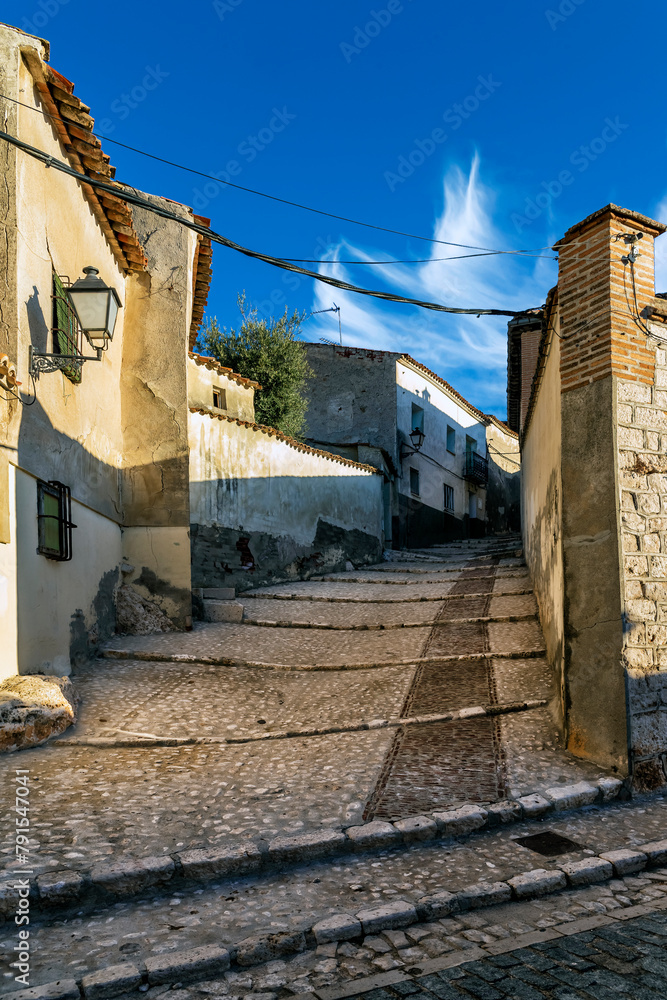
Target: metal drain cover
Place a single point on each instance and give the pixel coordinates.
(549, 844)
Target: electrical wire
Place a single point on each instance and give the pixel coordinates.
(127, 195)
(644, 327)
(426, 260)
(271, 197)
(15, 395)
(534, 252)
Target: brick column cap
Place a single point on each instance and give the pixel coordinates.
(613, 212)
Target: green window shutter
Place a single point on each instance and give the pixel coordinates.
(64, 328)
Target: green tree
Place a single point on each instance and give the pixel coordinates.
(268, 353)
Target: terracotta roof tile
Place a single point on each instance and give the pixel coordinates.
(505, 428)
(292, 442)
(213, 365)
(73, 123)
(201, 279)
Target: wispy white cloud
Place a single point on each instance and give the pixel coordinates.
(468, 352)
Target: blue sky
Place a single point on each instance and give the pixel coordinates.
(486, 124)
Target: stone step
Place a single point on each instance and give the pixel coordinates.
(215, 593)
(129, 877)
(222, 611)
(281, 915)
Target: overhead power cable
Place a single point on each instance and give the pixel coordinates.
(271, 197)
(125, 194)
(426, 260)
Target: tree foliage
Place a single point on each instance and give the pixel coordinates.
(268, 353)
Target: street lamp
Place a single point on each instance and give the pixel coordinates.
(417, 438)
(88, 306)
(96, 307)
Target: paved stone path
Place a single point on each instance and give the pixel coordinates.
(626, 962)
(284, 902)
(98, 797)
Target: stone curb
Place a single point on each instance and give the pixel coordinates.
(122, 879)
(265, 623)
(124, 739)
(379, 600)
(230, 661)
(195, 963)
(434, 572)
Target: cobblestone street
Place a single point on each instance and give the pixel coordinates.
(247, 772)
(228, 737)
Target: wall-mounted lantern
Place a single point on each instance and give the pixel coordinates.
(96, 307)
(89, 307)
(417, 437)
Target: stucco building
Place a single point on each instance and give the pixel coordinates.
(462, 481)
(104, 463)
(587, 392)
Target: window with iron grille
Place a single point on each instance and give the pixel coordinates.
(449, 497)
(54, 520)
(66, 333)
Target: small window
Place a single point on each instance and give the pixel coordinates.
(219, 399)
(417, 418)
(414, 482)
(54, 520)
(449, 497)
(451, 439)
(65, 331)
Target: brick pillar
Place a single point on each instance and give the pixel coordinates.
(605, 356)
(530, 344)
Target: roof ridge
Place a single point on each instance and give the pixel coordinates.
(204, 361)
(442, 381)
(292, 442)
(71, 119)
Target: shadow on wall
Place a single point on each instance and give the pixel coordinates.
(66, 609)
(294, 528)
(503, 500)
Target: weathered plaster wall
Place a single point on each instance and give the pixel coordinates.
(593, 624)
(240, 399)
(72, 432)
(503, 493)
(263, 510)
(64, 609)
(352, 398)
(72, 429)
(642, 459)
(8, 568)
(153, 384)
(9, 411)
(541, 504)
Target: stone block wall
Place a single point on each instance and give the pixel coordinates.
(642, 459)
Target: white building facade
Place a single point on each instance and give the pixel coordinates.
(389, 410)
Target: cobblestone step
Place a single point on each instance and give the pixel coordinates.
(222, 610)
(395, 615)
(329, 594)
(268, 623)
(432, 576)
(293, 649)
(408, 913)
(124, 738)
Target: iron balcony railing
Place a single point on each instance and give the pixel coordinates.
(477, 468)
